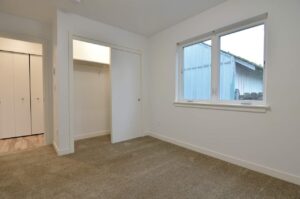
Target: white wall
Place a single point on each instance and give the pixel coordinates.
(91, 99)
(13, 45)
(70, 24)
(86, 51)
(268, 142)
(21, 28)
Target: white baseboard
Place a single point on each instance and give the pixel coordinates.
(243, 163)
(91, 134)
(55, 147)
(61, 152)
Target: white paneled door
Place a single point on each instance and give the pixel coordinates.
(126, 95)
(37, 97)
(21, 94)
(14, 95)
(7, 109)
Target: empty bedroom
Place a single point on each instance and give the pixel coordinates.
(149, 99)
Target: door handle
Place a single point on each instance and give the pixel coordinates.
(22, 98)
(139, 99)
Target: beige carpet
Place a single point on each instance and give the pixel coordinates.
(140, 168)
(12, 145)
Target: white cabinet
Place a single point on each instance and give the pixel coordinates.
(21, 95)
(37, 97)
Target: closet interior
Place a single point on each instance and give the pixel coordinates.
(92, 101)
(21, 89)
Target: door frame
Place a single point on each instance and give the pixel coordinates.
(47, 79)
(72, 37)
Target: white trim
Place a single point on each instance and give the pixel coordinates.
(215, 68)
(71, 93)
(60, 152)
(224, 106)
(91, 135)
(243, 163)
(226, 28)
(55, 147)
(106, 44)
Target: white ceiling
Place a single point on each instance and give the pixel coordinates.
(145, 17)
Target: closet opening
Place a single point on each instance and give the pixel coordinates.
(91, 90)
(104, 92)
(22, 119)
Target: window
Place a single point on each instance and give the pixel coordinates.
(226, 67)
(242, 64)
(196, 71)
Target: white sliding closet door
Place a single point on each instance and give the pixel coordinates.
(126, 92)
(21, 94)
(37, 98)
(7, 116)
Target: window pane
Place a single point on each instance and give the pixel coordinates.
(242, 64)
(196, 71)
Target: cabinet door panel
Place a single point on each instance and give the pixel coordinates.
(7, 126)
(22, 94)
(37, 98)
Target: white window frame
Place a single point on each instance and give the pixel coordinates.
(180, 67)
(215, 102)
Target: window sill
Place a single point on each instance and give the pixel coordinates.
(227, 107)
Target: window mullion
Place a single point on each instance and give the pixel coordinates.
(180, 73)
(215, 68)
